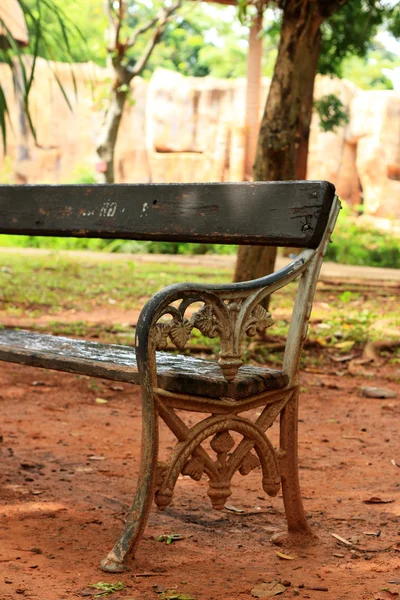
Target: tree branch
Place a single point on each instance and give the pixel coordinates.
(111, 22)
(131, 41)
(119, 23)
(115, 20)
(162, 19)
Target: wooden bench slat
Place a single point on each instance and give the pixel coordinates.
(290, 213)
(176, 373)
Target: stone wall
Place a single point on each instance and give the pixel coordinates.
(192, 129)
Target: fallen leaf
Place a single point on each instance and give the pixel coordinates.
(31, 466)
(386, 595)
(37, 492)
(353, 437)
(103, 589)
(394, 463)
(376, 392)
(96, 458)
(345, 358)
(396, 581)
(116, 388)
(373, 533)
(170, 537)
(284, 556)
(87, 592)
(101, 401)
(172, 595)
(377, 500)
(268, 590)
(317, 588)
(346, 345)
(233, 508)
(340, 539)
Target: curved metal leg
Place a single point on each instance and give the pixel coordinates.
(139, 512)
(296, 518)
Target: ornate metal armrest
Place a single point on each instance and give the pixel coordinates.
(231, 311)
(228, 312)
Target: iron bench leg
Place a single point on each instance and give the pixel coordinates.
(295, 515)
(139, 512)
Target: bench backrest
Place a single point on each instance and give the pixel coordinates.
(293, 213)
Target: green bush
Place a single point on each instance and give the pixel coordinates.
(355, 244)
(129, 246)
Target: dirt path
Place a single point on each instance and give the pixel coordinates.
(69, 466)
(61, 510)
(330, 271)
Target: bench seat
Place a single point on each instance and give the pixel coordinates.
(176, 372)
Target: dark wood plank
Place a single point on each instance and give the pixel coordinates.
(292, 213)
(176, 373)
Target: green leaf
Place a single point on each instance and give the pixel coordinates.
(107, 588)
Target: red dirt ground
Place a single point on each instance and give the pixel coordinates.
(61, 511)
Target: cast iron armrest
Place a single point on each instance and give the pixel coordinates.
(231, 311)
(228, 312)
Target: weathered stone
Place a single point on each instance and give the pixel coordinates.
(377, 392)
(193, 129)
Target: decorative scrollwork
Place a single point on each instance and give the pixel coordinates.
(194, 468)
(227, 319)
(178, 330)
(185, 459)
(160, 335)
(249, 463)
(206, 321)
(258, 321)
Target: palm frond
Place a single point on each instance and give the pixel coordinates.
(42, 39)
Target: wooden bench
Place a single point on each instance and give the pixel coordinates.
(293, 214)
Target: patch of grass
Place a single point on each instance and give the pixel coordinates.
(355, 244)
(34, 286)
(53, 284)
(129, 246)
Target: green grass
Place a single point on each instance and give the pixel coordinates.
(128, 246)
(37, 286)
(52, 284)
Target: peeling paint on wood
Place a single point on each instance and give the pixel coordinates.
(291, 213)
(176, 373)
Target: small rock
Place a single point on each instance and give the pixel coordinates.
(278, 538)
(377, 392)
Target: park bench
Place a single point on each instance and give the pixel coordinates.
(293, 214)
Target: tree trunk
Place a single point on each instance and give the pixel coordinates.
(253, 94)
(276, 149)
(303, 136)
(108, 135)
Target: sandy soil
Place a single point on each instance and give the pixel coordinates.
(61, 510)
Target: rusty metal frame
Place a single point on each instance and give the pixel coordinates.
(229, 312)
